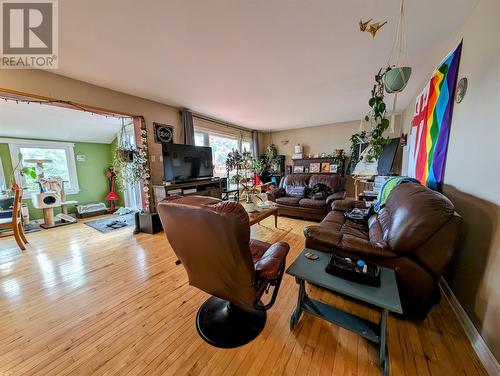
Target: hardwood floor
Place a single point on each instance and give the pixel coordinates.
(78, 302)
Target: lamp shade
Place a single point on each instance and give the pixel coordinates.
(112, 196)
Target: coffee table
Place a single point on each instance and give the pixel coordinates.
(259, 215)
(385, 298)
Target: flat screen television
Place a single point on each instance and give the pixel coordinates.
(186, 162)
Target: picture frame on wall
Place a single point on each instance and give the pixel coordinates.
(164, 134)
(334, 168)
(314, 167)
(325, 167)
(298, 169)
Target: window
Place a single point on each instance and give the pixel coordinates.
(221, 146)
(60, 155)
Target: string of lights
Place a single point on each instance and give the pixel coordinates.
(61, 102)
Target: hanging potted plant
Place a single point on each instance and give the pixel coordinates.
(130, 162)
(396, 79)
(125, 151)
(398, 73)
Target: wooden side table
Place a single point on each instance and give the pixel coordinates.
(385, 297)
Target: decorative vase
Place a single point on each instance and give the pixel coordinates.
(395, 79)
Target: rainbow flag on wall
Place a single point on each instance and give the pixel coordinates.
(431, 123)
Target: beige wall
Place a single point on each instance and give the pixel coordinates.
(59, 87)
(471, 180)
(316, 140)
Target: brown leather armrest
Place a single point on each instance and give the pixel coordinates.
(347, 204)
(339, 195)
(272, 261)
(362, 247)
(328, 237)
(273, 194)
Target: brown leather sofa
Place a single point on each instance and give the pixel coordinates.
(415, 234)
(211, 239)
(291, 195)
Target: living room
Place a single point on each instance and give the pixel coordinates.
(307, 227)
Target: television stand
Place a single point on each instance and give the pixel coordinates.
(204, 187)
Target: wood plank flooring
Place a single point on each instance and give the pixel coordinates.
(78, 302)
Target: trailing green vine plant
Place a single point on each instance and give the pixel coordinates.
(377, 117)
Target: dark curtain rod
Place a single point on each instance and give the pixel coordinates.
(220, 122)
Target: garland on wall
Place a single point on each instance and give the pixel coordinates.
(143, 155)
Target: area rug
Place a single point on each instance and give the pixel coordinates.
(112, 223)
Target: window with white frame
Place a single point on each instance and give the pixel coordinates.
(221, 145)
(3, 181)
(61, 163)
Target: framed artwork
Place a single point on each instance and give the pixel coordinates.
(325, 167)
(314, 167)
(334, 168)
(298, 169)
(164, 134)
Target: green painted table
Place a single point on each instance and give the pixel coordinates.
(385, 298)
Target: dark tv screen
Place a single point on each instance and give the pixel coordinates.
(186, 162)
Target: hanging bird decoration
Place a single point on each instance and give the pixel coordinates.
(364, 24)
(373, 28)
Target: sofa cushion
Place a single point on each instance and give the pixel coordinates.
(291, 181)
(335, 217)
(330, 180)
(297, 192)
(355, 229)
(288, 201)
(314, 204)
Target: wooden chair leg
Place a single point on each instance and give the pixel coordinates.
(19, 240)
(21, 233)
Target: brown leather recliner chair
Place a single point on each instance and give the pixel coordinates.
(211, 238)
(415, 234)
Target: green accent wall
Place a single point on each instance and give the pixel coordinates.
(91, 174)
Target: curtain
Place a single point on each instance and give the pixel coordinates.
(255, 143)
(187, 126)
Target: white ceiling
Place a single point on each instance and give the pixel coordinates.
(47, 122)
(264, 64)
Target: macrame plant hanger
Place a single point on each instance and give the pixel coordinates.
(398, 61)
(124, 143)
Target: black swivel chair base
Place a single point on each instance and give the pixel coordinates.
(225, 325)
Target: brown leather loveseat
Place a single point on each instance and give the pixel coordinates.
(415, 234)
(292, 200)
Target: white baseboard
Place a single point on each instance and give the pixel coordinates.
(483, 352)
